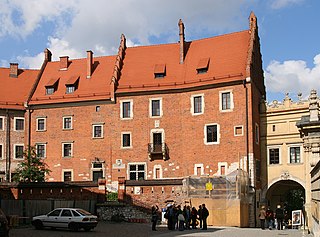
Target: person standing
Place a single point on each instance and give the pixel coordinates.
(194, 215)
(154, 216)
(200, 216)
(205, 214)
(279, 216)
(270, 219)
(262, 217)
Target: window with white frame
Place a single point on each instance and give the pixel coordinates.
(222, 168)
(41, 124)
(198, 169)
(295, 154)
(137, 171)
(197, 104)
(18, 151)
(18, 124)
(67, 149)
(126, 109)
(157, 172)
(274, 155)
(257, 133)
(67, 175)
(226, 101)
(97, 131)
(238, 130)
(1, 123)
(212, 134)
(155, 107)
(1, 152)
(67, 122)
(126, 140)
(41, 150)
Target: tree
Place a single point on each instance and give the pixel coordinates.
(32, 168)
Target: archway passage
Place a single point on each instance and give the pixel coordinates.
(288, 193)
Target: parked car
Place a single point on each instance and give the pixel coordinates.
(4, 224)
(71, 218)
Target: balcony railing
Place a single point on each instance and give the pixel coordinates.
(156, 150)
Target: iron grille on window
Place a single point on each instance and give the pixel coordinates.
(274, 156)
(226, 101)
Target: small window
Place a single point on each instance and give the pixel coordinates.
(155, 107)
(67, 176)
(67, 122)
(211, 134)
(159, 71)
(197, 104)
(274, 156)
(273, 128)
(18, 151)
(226, 101)
(98, 108)
(1, 123)
(126, 140)
(238, 130)
(198, 169)
(257, 134)
(41, 150)
(70, 89)
(203, 65)
(19, 124)
(50, 90)
(72, 84)
(52, 86)
(126, 109)
(1, 151)
(41, 124)
(295, 156)
(137, 171)
(67, 150)
(97, 131)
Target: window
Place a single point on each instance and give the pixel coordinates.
(198, 169)
(41, 150)
(238, 130)
(72, 84)
(97, 131)
(18, 124)
(66, 213)
(273, 128)
(212, 134)
(1, 151)
(52, 86)
(203, 65)
(41, 124)
(137, 171)
(157, 172)
(55, 213)
(126, 109)
(67, 176)
(274, 156)
(66, 149)
(70, 89)
(49, 90)
(159, 71)
(98, 108)
(18, 151)
(222, 168)
(1, 123)
(197, 105)
(256, 134)
(295, 156)
(67, 122)
(126, 140)
(226, 101)
(155, 107)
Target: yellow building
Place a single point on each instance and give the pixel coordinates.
(285, 165)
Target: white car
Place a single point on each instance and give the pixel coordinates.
(72, 218)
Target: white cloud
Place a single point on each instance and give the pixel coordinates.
(278, 4)
(293, 76)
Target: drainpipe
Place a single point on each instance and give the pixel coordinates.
(247, 126)
(8, 146)
(30, 111)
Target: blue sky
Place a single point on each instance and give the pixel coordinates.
(288, 30)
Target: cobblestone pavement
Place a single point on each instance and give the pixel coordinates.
(107, 229)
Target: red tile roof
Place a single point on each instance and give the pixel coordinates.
(95, 88)
(15, 91)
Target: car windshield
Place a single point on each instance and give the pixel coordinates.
(83, 212)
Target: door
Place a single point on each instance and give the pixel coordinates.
(97, 175)
(157, 142)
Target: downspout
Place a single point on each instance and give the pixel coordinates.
(8, 146)
(247, 125)
(30, 111)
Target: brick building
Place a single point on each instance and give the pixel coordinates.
(164, 111)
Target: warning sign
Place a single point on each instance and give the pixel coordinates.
(209, 186)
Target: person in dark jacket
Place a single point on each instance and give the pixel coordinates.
(194, 215)
(200, 216)
(205, 214)
(279, 216)
(154, 216)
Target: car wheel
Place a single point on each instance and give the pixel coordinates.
(87, 228)
(38, 224)
(74, 226)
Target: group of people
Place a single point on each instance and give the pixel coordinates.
(272, 219)
(183, 218)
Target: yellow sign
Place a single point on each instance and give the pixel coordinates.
(209, 186)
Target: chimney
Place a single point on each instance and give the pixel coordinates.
(13, 70)
(64, 62)
(313, 106)
(182, 42)
(89, 63)
(47, 55)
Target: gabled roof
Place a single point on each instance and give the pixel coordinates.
(226, 56)
(97, 87)
(14, 91)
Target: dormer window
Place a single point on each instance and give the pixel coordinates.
(52, 86)
(203, 65)
(159, 71)
(72, 84)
